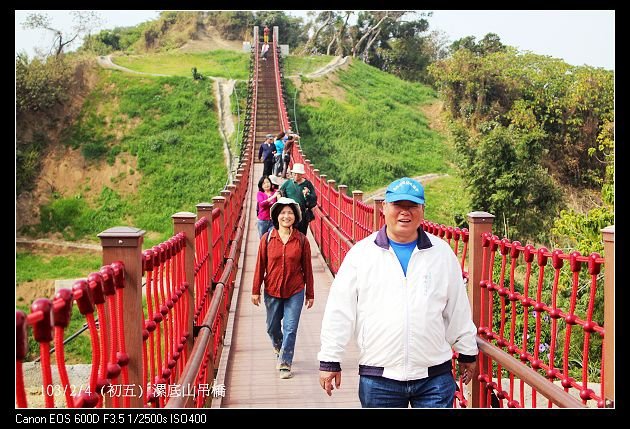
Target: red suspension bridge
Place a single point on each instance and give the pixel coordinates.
(176, 329)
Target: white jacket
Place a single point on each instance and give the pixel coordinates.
(403, 325)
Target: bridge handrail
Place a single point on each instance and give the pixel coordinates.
(549, 390)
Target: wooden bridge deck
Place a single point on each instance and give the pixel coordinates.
(250, 377)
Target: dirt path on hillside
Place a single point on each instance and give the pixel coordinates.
(223, 89)
(45, 242)
(106, 62)
(209, 39)
(424, 179)
(333, 65)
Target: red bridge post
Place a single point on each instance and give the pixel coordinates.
(608, 235)
(323, 180)
(478, 224)
(227, 219)
(123, 243)
(343, 190)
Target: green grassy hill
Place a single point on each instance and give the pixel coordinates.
(168, 125)
(364, 128)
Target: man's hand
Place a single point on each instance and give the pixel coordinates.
(467, 370)
(309, 303)
(256, 299)
(326, 378)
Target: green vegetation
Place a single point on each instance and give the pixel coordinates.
(523, 124)
(238, 104)
(40, 87)
(75, 219)
(373, 136)
(296, 64)
(170, 124)
(219, 63)
(118, 39)
(447, 201)
(41, 84)
(28, 161)
(29, 266)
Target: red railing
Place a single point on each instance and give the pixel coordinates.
(558, 291)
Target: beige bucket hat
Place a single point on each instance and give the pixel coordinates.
(277, 207)
(298, 168)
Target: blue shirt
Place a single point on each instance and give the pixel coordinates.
(279, 147)
(403, 252)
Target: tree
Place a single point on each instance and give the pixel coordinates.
(505, 178)
(289, 27)
(84, 23)
(490, 43)
(338, 36)
(325, 18)
(372, 30)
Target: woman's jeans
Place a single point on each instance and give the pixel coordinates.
(263, 226)
(431, 392)
(287, 311)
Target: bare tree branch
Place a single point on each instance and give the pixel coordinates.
(84, 22)
(355, 49)
(339, 35)
(369, 45)
(328, 16)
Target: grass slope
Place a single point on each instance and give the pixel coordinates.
(170, 125)
(219, 63)
(377, 134)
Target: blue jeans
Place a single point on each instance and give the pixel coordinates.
(264, 226)
(431, 392)
(287, 311)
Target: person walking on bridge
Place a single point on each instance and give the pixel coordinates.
(265, 198)
(302, 191)
(284, 266)
(264, 50)
(401, 291)
(266, 155)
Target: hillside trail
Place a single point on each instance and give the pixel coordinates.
(222, 88)
(42, 242)
(105, 61)
(333, 65)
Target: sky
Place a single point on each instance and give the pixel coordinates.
(577, 36)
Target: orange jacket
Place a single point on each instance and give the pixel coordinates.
(284, 268)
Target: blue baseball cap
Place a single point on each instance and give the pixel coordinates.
(405, 189)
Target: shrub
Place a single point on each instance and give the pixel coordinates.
(40, 84)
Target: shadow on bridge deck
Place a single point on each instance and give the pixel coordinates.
(250, 377)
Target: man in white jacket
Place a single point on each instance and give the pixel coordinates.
(401, 292)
